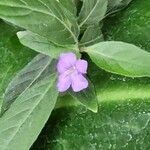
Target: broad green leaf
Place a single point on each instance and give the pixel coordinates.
(87, 97)
(91, 36)
(117, 5)
(42, 45)
(26, 78)
(92, 12)
(122, 126)
(49, 19)
(121, 58)
(70, 5)
(22, 123)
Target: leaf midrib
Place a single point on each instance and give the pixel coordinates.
(30, 112)
(84, 21)
(88, 42)
(47, 13)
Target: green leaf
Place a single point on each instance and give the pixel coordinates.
(22, 123)
(70, 5)
(91, 36)
(49, 19)
(121, 58)
(135, 29)
(26, 78)
(117, 5)
(92, 12)
(87, 97)
(42, 45)
(116, 127)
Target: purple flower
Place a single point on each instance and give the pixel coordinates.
(71, 73)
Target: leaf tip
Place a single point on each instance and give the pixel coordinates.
(94, 109)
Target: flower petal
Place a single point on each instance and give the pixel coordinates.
(81, 66)
(66, 61)
(63, 83)
(61, 67)
(78, 82)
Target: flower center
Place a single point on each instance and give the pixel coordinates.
(70, 70)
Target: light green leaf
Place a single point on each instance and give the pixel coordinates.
(49, 19)
(42, 45)
(121, 58)
(91, 36)
(26, 78)
(92, 12)
(70, 5)
(87, 97)
(23, 122)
